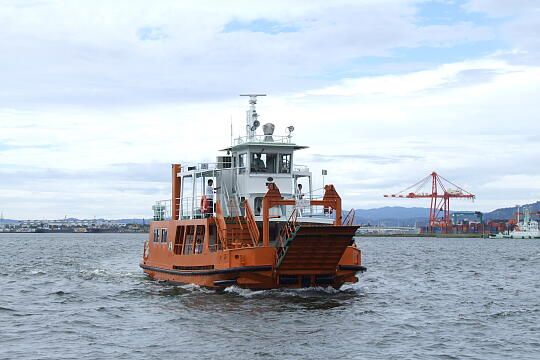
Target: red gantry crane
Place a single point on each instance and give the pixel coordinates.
(439, 211)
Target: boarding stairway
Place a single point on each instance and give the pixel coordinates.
(317, 248)
(236, 231)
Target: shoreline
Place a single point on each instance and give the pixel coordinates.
(427, 235)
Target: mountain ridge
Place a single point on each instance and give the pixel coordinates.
(391, 214)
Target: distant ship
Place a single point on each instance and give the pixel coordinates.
(245, 221)
(526, 229)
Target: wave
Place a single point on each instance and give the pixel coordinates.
(514, 312)
(285, 292)
(89, 274)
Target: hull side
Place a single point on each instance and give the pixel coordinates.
(254, 267)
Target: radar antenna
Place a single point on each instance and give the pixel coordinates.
(252, 122)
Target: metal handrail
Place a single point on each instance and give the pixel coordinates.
(286, 233)
(349, 219)
(262, 138)
(221, 225)
(300, 168)
(162, 209)
(252, 225)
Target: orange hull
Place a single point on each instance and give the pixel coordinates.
(189, 251)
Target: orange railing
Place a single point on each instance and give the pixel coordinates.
(349, 219)
(221, 225)
(235, 212)
(251, 224)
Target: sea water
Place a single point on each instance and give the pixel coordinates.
(83, 296)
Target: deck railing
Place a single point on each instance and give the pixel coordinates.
(252, 225)
(162, 210)
(288, 231)
(263, 138)
(221, 225)
(349, 219)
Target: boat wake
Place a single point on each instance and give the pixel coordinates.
(284, 292)
(108, 274)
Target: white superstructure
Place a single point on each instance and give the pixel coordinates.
(244, 172)
(526, 229)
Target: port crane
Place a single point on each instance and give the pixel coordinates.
(518, 213)
(439, 210)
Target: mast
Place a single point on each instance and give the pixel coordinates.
(252, 122)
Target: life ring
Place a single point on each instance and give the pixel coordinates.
(204, 204)
(146, 250)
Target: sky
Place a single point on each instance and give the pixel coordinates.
(98, 98)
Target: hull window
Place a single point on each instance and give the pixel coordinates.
(163, 235)
(212, 243)
(188, 247)
(199, 240)
(156, 235)
(258, 206)
(179, 240)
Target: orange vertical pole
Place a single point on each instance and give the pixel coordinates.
(175, 208)
(433, 206)
(332, 198)
(338, 212)
(271, 198)
(266, 222)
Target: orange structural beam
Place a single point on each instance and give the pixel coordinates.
(331, 199)
(175, 207)
(273, 198)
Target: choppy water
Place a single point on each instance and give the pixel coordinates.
(66, 296)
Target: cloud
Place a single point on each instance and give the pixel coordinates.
(129, 53)
(502, 8)
(97, 100)
(520, 27)
(377, 159)
(371, 142)
(447, 75)
(149, 33)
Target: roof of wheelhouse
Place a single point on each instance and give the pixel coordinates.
(265, 144)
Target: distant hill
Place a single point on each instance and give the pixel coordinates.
(397, 215)
(124, 221)
(134, 221)
(391, 215)
(508, 213)
(388, 215)
(8, 221)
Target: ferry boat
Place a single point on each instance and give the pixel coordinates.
(526, 229)
(245, 221)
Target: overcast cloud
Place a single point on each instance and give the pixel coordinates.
(97, 98)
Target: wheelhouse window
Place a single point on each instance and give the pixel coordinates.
(263, 163)
(242, 163)
(284, 163)
(163, 235)
(156, 235)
